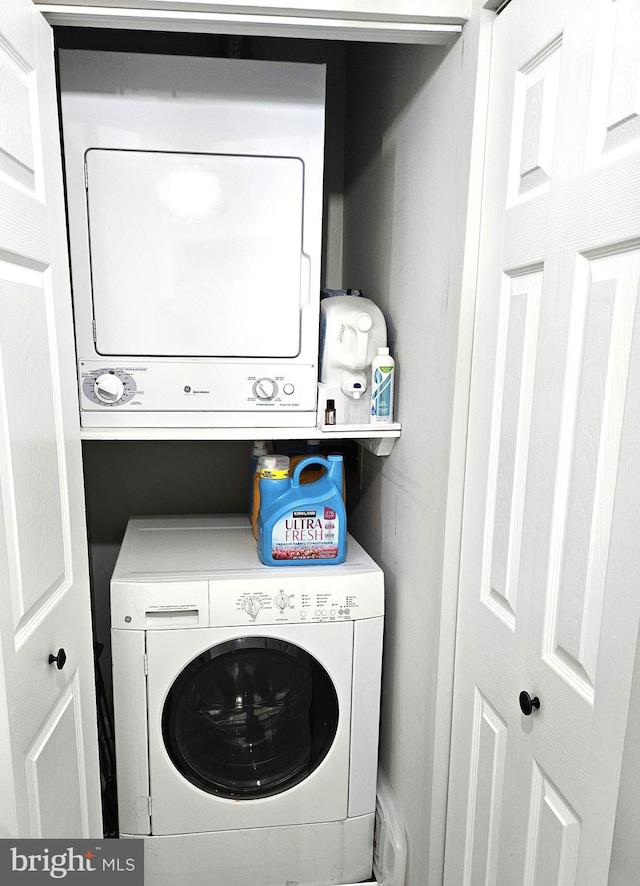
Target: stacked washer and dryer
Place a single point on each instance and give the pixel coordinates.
(246, 706)
(246, 698)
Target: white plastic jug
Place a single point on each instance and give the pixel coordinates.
(352, 328)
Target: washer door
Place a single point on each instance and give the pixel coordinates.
(250, 718)
(225, 723)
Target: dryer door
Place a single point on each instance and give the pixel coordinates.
(195, 255)
(250, 718)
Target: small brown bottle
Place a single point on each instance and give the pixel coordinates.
(330, 413)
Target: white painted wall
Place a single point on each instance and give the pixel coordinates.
(408, 136)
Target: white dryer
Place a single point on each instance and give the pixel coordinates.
(246, 706)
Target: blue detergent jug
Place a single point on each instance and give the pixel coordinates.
(303, 523)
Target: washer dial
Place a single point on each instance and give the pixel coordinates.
(252, 607)
(281, 601)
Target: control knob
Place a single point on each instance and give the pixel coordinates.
(282, 601)
(265, 389)
(252, 607)
(108, 388)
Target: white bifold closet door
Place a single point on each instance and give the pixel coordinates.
(49, 776)
(549, 601)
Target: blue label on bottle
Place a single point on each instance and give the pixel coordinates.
(381, 398)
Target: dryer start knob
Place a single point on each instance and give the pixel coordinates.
(252, 606)
(108, 388)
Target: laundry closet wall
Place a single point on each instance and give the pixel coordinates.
(407, 210)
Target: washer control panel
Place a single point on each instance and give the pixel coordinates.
(297, 607)
(229, 602)
(322, 597)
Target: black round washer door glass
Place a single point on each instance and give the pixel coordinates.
(250, 718)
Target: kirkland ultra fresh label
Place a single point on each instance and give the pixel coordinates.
(306, 535)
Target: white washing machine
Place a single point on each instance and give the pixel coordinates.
(246, 706)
